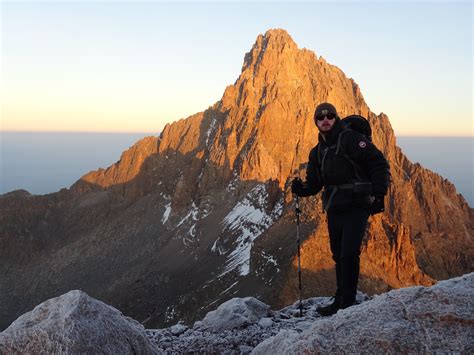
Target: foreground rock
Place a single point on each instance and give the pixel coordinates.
(245, 323)
(439, 319)
(237, 312)
(74, 323)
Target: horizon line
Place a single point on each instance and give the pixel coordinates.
(158, 133)
(91, 132)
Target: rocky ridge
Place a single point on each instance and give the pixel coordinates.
(203, 212)
(410, 320)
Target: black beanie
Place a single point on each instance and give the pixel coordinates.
(324, 109)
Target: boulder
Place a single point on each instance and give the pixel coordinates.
(74, 323)
(235, 313)
(178, 329)
(265, 322)
(438, 319)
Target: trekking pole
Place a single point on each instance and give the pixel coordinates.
(298, 212)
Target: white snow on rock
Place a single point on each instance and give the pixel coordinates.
(166, 214)
(235, 313)
(215, 248)
(229, 288)
(234, 182)
(210, 131)
(192, 231)
(248, 219)
(186, 228)
(193, 213)
(438, 319)
(170, 313)
(74, 323)
(269, 259)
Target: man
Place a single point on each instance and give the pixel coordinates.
(355, 176)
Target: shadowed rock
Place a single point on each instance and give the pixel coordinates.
(411, 320)
(74, 323)
(437, 319)
(235, 313)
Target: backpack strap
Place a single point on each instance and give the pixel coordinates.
(345, 130)
(323, 158)
(357, 167)
(329, 200)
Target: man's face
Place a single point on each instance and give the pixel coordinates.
(325, 122)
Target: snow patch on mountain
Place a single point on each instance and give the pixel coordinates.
(215, 248)
(234, 182)
(269, 259)
(166, 214)
(248, 220)
(170, 313)
(210, 132)
(229, 288)
(187, 229)
(193, 212)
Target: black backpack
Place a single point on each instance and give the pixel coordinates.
(352, 122)
(359, 124)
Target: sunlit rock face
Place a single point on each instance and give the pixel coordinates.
(203, 213)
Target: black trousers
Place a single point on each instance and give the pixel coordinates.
(346, 230)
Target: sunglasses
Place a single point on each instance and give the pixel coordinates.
(329, 116)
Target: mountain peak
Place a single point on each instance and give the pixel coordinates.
(278, 35)
(270, 107)
(274, 41)
(276, 38)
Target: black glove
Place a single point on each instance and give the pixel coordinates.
(377, 205)
(297, 186)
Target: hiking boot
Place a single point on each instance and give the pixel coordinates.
(330, 309)
(345, 305)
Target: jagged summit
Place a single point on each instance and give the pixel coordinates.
(262, 128)
(203, 212)
(278, 34)
(274, 40)
(270, 107)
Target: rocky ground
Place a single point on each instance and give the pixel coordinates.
(437, 319)
(245, 333)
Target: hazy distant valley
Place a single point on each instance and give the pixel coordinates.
(42, 162)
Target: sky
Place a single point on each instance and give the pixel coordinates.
(110, 66)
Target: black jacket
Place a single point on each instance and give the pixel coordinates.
(349, 167)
